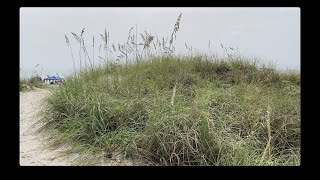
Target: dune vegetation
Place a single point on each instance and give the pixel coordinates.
(29, 83)
(149, 104)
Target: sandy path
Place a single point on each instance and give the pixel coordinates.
(32, 150)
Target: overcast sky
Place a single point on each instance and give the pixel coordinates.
(272, 34)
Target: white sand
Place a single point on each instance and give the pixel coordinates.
(32, 151)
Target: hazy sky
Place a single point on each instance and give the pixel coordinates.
(272, 34)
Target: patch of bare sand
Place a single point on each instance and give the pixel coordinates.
(32, 151)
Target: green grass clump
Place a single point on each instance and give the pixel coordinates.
(224, 112)
(23, 86)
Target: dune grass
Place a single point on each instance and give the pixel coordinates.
(26, 84)
(31, 82)
(167, 109)
(219, 115)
